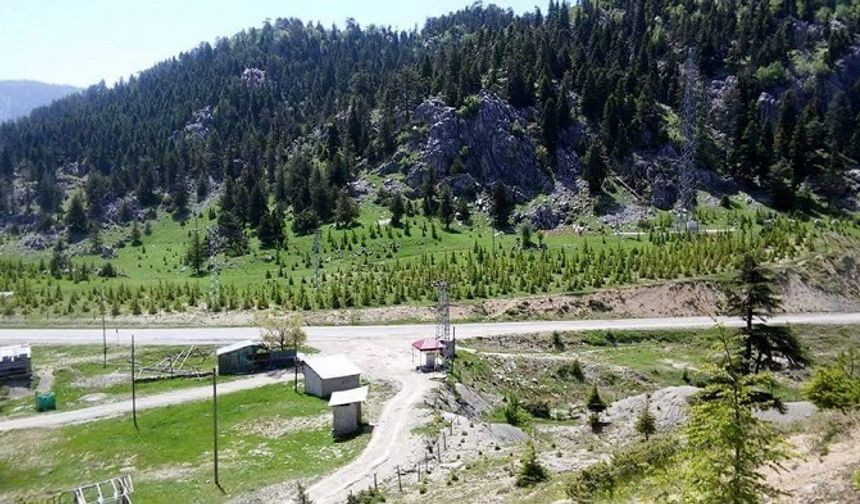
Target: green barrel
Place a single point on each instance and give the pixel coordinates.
(46, 402)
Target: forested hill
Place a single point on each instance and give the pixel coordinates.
(293, 113)
(19, 97)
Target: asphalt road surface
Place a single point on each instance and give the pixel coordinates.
(408, 332)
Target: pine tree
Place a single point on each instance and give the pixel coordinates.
(197, 253)
(646, 422)
(754, 298)
(727, 445)
(346, 210)
(501, 204)
(595, 168)
(532, 471)
(446, 207)
(76, 216)
(395, 206)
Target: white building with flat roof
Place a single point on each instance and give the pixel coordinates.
(346, 411)
(327, 374)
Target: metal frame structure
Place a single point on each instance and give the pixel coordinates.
(686, 168)
(113, 491)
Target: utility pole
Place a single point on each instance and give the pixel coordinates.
(104, 330)
(133, 386)
(315, 250)
(296, 365)
(215, 425)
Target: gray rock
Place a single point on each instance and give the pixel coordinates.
(493, 145)
(663, 193)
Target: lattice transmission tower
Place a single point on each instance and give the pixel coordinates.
(443, 311)
(689, 128)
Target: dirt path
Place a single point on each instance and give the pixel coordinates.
(145, 402)
(390, 434)
(816, 478)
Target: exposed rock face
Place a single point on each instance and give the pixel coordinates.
(489, 144)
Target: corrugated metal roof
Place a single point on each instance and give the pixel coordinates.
(237, 346)
(332, 366)
(15, 351)
(348, 396)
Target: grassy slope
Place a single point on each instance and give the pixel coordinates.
(641, 361)
(170, 457)
(160, 259)
(78, 370)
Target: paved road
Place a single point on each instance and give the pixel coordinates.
(218, 335)
(143, 403)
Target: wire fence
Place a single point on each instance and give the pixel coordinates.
(433, 457)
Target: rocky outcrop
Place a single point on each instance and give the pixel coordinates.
(480, 145)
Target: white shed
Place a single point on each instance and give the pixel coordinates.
(327, 374)
(346, 411)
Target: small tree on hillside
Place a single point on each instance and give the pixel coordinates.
(346, 209)
(727, 445)
(76, 216)
(197, 253)
(532, 471)
(596, 405)
(754, 298)
(397, 210)
(446, 207)
(646, 423)
(501, 204)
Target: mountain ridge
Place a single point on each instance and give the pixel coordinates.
(18, 97)
(293, 113)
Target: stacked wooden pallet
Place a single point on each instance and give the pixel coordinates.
(15, 362)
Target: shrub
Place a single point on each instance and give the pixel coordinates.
(836, 386)
(470, 107)
(571, 371)
(646, 423)
(626, 464)
(531, 472)
(367, 496)
(537, 408)
(514, 413)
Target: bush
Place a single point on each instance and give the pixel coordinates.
(367, 496)
(627, 464)
(836, 386)
(470, 107)
(538, 408)
(571, 371)
(514, 412)
(531, 472)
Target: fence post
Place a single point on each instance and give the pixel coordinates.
(399, 483)
(375, 485)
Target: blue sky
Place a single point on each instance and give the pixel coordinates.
(81, 42)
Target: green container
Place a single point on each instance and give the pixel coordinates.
(46, 402)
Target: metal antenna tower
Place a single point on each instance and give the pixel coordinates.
(686, 168)
(315, 250)
(443, 311)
